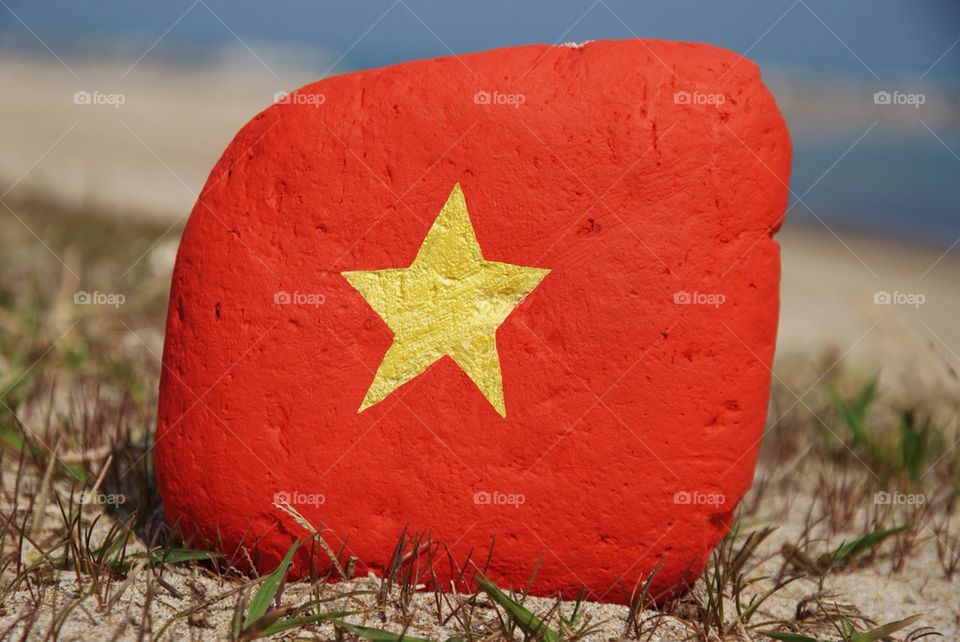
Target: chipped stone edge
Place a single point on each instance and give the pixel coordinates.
(575, 45)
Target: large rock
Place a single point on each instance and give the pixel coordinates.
(529, 293)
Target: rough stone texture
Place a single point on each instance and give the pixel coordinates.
(618, 396)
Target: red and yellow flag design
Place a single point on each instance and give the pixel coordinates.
(529, 294)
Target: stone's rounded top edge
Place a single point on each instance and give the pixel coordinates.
(665, 57)
(652, 45)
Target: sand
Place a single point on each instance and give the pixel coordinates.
(875, 591)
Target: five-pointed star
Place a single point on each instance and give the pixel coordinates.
(450, 301)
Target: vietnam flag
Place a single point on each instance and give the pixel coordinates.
(524, 299)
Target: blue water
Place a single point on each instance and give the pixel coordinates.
(894, 186)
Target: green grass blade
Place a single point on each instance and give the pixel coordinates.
(851, 549)
(886, 630)
(161, 556)
(377, 635)
(527, 621)
(788, 637)
(260, 603)
(179, 555)
(285, 624)
(855, 413)
(915, 445)
(576, 608)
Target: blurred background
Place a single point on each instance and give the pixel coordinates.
(119, 109)
(113, 112)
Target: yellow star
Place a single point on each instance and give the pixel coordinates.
(450, 301)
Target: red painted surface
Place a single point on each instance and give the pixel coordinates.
(618, 396)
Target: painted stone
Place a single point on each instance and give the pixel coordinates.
(528, 295)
